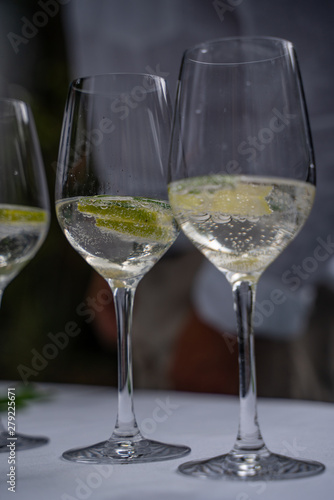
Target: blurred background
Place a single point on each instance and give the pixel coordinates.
(184, 331)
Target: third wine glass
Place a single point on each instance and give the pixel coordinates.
(24, 211)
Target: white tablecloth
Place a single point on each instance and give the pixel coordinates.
(74, 416)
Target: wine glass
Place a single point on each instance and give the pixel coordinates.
(241, 185)
(112, 204)
(24, 209)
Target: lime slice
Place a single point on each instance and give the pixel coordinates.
(24, 215)
(222, 194)
(247, 200)
(244, 264)
(134, 217)
(149, 231)
(117, 210)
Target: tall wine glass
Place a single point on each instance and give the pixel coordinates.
(112, 204)
(24, 209)
(242, 183)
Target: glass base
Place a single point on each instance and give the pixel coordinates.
(251, 466)
(22, 442)
(126, 451)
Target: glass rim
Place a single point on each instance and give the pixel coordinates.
(74, 85)
(14, 101)
(286, 44)
(12, 107)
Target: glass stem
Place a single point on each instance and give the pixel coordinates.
(126, 426)
(249, 437)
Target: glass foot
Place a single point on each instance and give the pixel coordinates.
(125, 451)
(22, 442)
(251, 466)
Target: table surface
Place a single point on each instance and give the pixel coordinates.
(74, 416)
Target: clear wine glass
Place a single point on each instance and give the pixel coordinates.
(24, 209)
(241, 185)
(112, 204)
